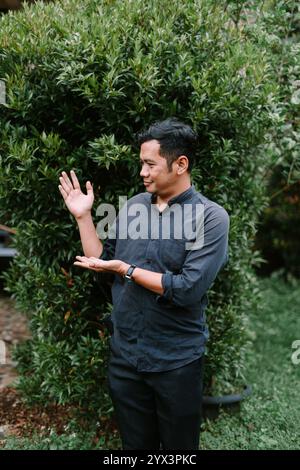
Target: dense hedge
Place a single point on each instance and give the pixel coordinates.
(279, 231)
(82, 78)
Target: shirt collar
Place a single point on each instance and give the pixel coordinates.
(187, 194)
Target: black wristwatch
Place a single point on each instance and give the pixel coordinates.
(130, 270)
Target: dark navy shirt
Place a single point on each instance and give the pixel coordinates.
(162, 332)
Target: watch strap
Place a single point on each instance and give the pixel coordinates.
(130, 270)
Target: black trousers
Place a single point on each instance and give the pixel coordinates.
(157, 410)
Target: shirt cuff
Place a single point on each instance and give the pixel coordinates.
(167, 284)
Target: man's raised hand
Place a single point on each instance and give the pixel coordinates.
(78, 203)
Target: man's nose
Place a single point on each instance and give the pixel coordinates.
(144, 172)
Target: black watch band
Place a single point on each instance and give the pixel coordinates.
(130, 270)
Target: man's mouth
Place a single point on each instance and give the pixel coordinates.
(148, 182)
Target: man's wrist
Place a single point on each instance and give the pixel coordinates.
(129, 273)
(85, 216)
(123, 268)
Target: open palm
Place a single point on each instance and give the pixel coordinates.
(76, 201)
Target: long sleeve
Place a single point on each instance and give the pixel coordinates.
(201, 266)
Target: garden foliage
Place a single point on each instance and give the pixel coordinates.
(81, 79)
(279, 232)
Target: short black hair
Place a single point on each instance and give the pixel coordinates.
(175, 139)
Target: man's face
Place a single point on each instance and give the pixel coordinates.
(154, 169)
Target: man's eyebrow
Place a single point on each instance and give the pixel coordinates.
(147, 160)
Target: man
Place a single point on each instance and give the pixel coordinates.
(159, 291)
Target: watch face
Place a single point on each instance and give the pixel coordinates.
(129, 272)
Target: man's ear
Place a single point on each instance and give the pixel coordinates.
(182, 164)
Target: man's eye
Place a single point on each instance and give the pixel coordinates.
(148, 164)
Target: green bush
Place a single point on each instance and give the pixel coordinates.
(279, 231)
(82, 78)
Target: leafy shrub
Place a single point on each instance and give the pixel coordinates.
(279, 232)
(82, 78)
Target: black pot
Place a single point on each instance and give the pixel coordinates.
(211, 406)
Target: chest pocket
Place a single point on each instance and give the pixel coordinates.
(173, 254)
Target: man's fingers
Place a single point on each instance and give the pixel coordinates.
(74, 180)
(67, 180)
(85, 265)
(97, 261)
(82, 258)
(89, 187)
(85, 259)
(92, 261)
(63, 192)
(82, 265)
(64, 185)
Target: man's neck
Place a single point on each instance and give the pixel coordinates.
(163, 199)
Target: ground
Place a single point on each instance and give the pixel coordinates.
(16, 418)
(269, 419)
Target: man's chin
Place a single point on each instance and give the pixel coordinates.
(150, 188)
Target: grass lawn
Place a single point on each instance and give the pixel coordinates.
(270, 418)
